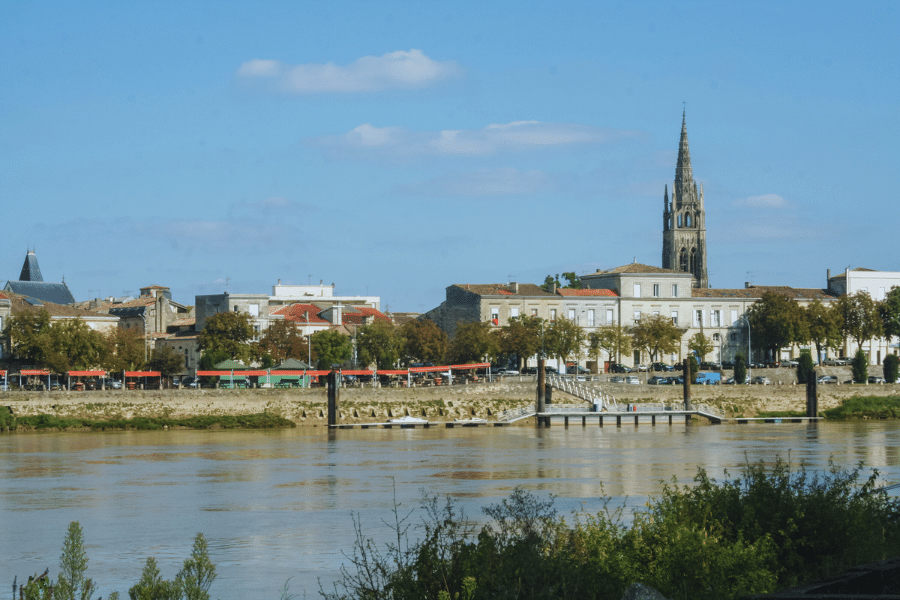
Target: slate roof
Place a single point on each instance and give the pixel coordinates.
(502, 289)
(757, 291)
(586, 292)
(30, 270)
(57, 293)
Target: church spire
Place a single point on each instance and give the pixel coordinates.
(683, 171)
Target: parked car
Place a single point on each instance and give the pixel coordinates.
(876, 379)
(638, 368)
(549, 369)
(529, 371)
(507, 372)
(661, 366)
(189, 382)
(730, 381)
(657, 380)
(789, 363)
(836, 362)
(581, 370)
(761, 381)
(619, 368)
(632, 379)
(827, 379)
(728, 364)
(711, 366)
(617, 379)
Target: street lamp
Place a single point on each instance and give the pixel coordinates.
(749, 368)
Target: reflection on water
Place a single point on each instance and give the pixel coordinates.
(276, 504)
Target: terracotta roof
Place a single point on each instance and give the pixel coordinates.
(19, 304)
(4, 296)
(757, 291)
(183, 322)
(301, 313)
(361, 313)
(502, 289)
(587, 292)
(641, 268)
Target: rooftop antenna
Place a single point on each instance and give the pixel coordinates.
(227, 279)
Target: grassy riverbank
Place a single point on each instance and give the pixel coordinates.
(866, 407)
(46, 422)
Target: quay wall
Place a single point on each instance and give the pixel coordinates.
(307, 407)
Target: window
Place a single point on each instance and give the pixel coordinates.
(590, 316)
(674, 290)
(656, 290)
(513, 311)
(637, 317)
(637, 290)
(495, 313)
(256, 332)
(533, 312)
(716, 337)
(734, 337)
(235, 309)
(698, 318)
(674, 317)
(552, 314)
(254, 310)
(716, 318)
(572, 314)
(655, 313)
(609, 316)
(733, 317)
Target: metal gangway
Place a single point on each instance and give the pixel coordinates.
(589, 394)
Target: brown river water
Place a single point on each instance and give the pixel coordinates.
(277, 505)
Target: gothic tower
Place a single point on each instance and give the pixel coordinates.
(684, 221)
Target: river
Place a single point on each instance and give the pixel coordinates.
(277, 505)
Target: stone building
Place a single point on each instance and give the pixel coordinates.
(31, 283)
(684, 219)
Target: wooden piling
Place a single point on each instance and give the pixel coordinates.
(334, 380)
(812, 397)
(687, 384)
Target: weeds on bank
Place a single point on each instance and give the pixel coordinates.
(866, 407)
(771, 528)
(254, 421)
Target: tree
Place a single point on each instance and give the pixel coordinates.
(123, 350)
(282, 340)
(859, 317)
(573, 281)
(824, 326)
(168, 361)
(72, 584)
(73, 346)
(614, 339)
(891, 368)
(380, 342)
(472, 343)
(777, 321)
(563, 339)
(425, 341)
(27, 333)
(656, 334)
(197, 573)
(860, 367)
(521, 337)
(331, 348)
(889, 310)
(228, 332)
(701, 345)
(740, 369)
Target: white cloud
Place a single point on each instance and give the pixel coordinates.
(492, 139)
(231, 235)
(399, 69)
(764, 201)
(485, 182)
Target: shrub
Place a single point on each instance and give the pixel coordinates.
(805, 368)
(891, 368)
(740, 369)
(860, 367)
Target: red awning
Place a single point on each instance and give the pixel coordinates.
(34, 372)
(87, 373)
(142, 373)
(447, 367)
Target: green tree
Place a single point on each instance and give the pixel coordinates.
(740, 369)
(152, 586)
(521, 337)
(198, 572)
(167, 360)
(573, 281)
(473, 343)
(282, 340)
(73, 346)
(228, 332)
(891, 368)
(425, 341)
(27, 333)
(656, 334)
(331, 348)
(824, 326)
(380, 342)
(889, 311)
(564, 339)
(859, 317)
(613, 339)
(805, 367)
(700, 344)
(72, 584)
(860, 367)
(123, 350)
(550, 281)
(777, 321)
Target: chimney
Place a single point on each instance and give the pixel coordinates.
(747, 285)
(553, 288)
(513, 287)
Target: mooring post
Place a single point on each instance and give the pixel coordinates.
(687, 384)
(812, 398)
(540, 405)
(334, 381)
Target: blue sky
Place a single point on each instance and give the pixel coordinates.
(395, 148)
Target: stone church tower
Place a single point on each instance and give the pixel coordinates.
(684, 221)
